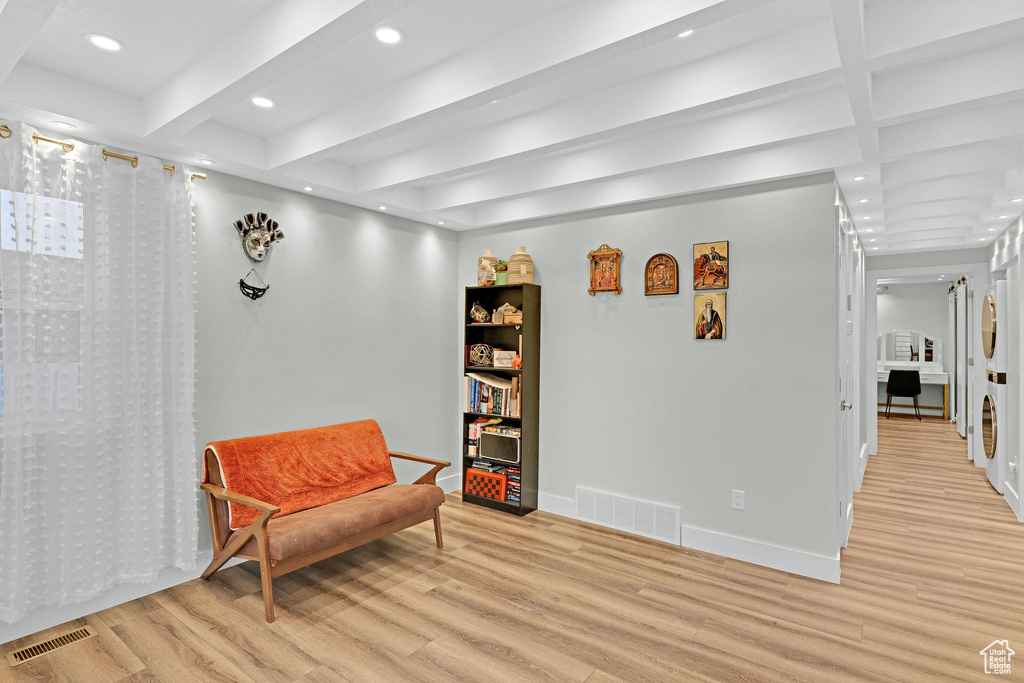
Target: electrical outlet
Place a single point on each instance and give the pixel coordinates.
(737, 499)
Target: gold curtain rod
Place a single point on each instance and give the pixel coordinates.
(66, 146)
(5, 132)
(134, 160)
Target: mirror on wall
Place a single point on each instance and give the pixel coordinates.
(909, 347)
(988, 325)
(989, 428)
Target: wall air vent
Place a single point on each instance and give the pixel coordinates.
(29, 653)
(660, 522)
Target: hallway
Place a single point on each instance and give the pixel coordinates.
(931, 532)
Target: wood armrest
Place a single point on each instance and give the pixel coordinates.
(429, 477)
(224, 494)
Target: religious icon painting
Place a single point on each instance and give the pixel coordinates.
(711, 265)
(661, 275)
(604, 270)
(709, 315)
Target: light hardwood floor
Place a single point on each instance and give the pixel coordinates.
(932, 575)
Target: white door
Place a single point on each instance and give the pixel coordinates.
(847, 433)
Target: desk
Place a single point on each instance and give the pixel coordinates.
(929, 375)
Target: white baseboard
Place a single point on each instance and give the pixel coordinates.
(755, 552)
(452, 482)
(788, 560)
(54, 615)
(556, 505)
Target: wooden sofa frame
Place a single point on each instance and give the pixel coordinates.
(271, 569)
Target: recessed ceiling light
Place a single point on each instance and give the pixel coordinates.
(207, 162)
(307, 188)
(981, 239)
(389, 35)
(870, 230)
(63, 125)
(1004, 216)
(1017, 200)
(104, 42)
(264, 102)
(872, 240)
(686, 34)
(495, 101)
(440, 222)
(859, 177)
(867, 218)
(864, 201)
(383, 208)
(991, 229)
(874, 248)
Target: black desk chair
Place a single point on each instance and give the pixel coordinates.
(903, 383)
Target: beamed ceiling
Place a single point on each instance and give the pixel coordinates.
(494, 111)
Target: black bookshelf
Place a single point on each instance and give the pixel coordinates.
(526, 298)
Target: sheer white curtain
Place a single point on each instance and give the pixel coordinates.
(97, 335)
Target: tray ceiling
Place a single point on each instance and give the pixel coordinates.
(490, 112)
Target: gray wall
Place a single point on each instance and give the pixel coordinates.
(632, 405)
(358, 322)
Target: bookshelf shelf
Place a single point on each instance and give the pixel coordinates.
(485, 368)
(523, 338)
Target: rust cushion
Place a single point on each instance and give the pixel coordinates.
(308, 530)
(302, 469)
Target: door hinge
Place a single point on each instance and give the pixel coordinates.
(970, 362)
(970, 429)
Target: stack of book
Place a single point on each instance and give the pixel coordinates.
(513, 486)
(485, 466)
(490, 395)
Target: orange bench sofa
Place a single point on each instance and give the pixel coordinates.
(294, 498)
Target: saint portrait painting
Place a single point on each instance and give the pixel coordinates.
(711, 265)
(604, 270)
(661, 275)
(709, 315)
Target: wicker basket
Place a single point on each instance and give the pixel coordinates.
(520, 268)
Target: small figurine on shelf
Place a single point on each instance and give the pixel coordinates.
(517, 362)
(501, 272)
(479, 314)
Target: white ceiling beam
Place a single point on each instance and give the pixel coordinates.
(71, 98)
(975, 76)
(281, 39)
(976, 185)
(998, 154)
(785, 64)
(898, 25)
(848, 25)
(800, 159)
(937, 209)
(962, 232)
(978, 124)
(777, 123)
(568, 40)
(20, 21)
(959, 221)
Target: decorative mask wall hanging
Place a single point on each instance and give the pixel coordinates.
(258, 232)
(253, 291)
